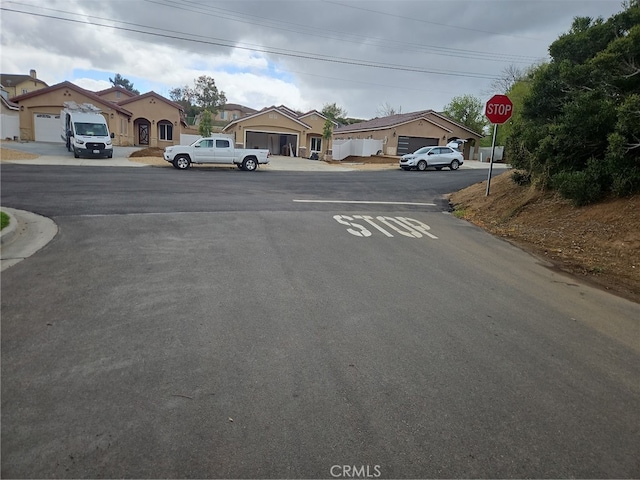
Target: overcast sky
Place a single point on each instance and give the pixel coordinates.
(411, 55)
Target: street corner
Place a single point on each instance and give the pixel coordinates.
(25, 235)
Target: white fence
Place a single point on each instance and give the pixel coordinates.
(358, 147)
(186, 139)
(484, 154)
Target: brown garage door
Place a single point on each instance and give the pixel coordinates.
(411, 144)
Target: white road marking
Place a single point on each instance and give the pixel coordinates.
(367, 202)
(407, 227)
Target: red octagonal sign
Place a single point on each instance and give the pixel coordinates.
(498, 109)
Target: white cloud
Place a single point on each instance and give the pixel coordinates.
(91, 84)
(454, 36)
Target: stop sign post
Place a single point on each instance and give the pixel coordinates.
(498, 110)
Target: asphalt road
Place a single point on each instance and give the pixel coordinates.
(210, 324)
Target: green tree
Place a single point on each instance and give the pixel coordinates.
(579, 128)
(327, 132)
(119, 80)
(203, 95)
(334, 112)
(467, 110)
(205, 128)
(207, 95)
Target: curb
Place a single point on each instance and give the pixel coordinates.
(9, 232)
(30, 233)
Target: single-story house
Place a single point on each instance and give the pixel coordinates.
(407, 132)
(143, 120)
(157, 121)
(9, 117)
(20, 84)
(281, 130)
(40, 113)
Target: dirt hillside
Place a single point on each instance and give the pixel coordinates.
(600, 243)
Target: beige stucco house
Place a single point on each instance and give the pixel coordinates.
(407, 132)
(115, 94)
(148, 120)
(281, 130)
(233, 111)
(16, 85)
(156, 120)
(40, 113)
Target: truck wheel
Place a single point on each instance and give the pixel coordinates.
(182, 162)
(250, 164)
(75, 153)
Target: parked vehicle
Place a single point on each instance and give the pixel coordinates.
(437, 157)
(215, 149)
(85, 131)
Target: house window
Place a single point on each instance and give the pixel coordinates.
(316, 144)
(166, 131)
(223, 115)
(235, 116)
(118, 94)
(24, 90)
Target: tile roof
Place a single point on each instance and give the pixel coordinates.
(75, 88)
(117, 88)
(397, 119)
(237, 106)
(11, 80)
(150, 94)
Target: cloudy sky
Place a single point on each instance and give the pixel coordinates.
(362, 54)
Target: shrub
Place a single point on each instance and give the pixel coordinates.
(521, 178)
(580, 187)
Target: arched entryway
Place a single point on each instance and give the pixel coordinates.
(142, 132)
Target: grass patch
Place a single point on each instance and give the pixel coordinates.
(459, 212)
(4, 220)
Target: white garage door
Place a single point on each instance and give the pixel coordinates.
(47, 127)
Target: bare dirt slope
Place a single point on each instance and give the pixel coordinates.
(600, 243)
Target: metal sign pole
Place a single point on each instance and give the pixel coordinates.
(493, 150)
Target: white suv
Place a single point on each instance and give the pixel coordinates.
(437, 157)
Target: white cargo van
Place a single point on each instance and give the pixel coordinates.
(85, 131)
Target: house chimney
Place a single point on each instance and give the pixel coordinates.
(32, 72)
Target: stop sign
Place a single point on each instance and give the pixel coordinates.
(498, 109)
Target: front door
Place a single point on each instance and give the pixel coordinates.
(143, 134)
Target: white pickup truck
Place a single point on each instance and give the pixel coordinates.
(215, 149)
